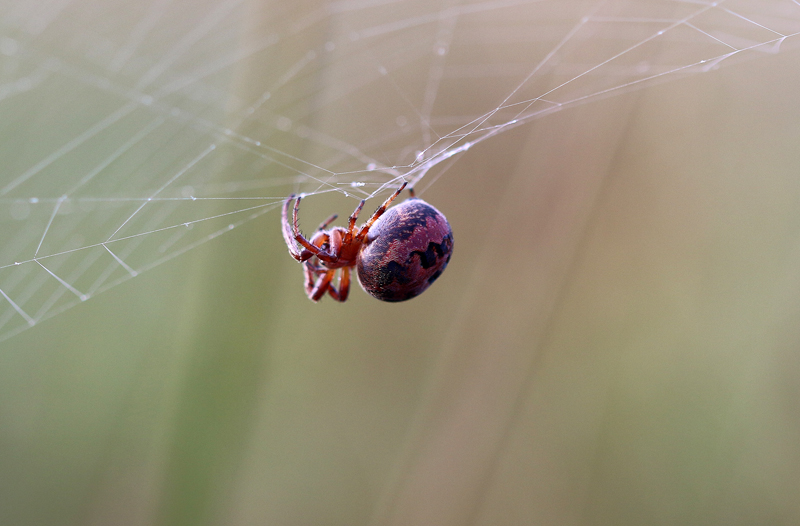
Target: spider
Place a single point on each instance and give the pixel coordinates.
(397, 253)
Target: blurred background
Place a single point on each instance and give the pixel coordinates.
(614, 342)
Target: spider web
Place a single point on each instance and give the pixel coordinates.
(136, 131)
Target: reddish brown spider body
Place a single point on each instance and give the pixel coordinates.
(398, 253)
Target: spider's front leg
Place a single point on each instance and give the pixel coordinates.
(291, 234)
(378, 213)
(351, 225)
(286, 228)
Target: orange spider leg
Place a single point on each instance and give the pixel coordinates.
(378, 213)
(335, 241)
(344, 284)
(322, 285)
(334, 249)
(327, 222)
(312, 271)
(315, 251)
(352, 224)
(334, 294)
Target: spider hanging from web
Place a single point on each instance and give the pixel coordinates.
(397, 253)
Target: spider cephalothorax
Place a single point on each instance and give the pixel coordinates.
(398, 253)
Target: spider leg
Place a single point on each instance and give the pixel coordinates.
(310, 271)
(335, 241)
(321, 286)
(288, 235)
(295, 231)
(316, 275)
(344, 286)
(378, 213)
(352, 224)
(333, 292)
(327, 222)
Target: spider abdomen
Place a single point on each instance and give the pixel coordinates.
(405, 251)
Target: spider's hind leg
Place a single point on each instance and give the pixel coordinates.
(321, 286)
(344, 286)
(309, 271)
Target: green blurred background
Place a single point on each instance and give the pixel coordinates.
(615, 341)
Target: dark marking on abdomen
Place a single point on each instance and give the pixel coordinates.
(428, 258)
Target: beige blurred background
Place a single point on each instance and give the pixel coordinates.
(615, 341)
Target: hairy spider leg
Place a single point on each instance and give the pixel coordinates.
(378, 213)
(319, 279)
(315, 251)
(351, 226)
(288, 235)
